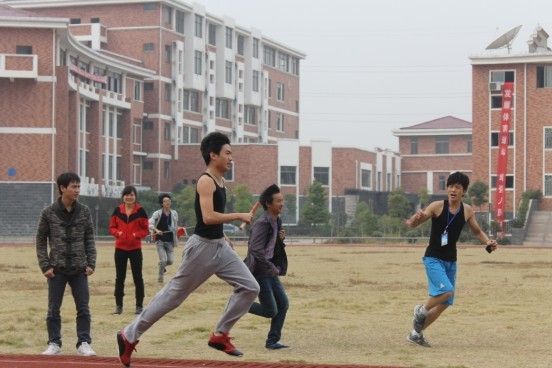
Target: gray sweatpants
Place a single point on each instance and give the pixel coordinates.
(202, 258)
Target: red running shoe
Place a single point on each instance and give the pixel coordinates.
(125, 348)
(222, 342)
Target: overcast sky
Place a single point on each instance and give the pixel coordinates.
(375, 66)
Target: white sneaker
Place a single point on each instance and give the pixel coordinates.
(53, 349)
(85, 349)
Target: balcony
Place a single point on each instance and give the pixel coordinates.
(18, 66)
(93, 34)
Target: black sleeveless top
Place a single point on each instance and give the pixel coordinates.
(438, 225)
(219, 202)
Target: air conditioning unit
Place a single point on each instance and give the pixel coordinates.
(495, 87)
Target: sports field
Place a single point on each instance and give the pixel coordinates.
(348, 304)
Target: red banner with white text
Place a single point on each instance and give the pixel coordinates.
(503, 143)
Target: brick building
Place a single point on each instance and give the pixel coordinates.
(433, 149)
(530, 144)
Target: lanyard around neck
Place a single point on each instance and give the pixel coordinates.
(452, 219)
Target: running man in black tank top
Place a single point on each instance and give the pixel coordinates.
(447, 220)
(206, 253)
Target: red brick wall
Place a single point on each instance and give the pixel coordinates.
(131, 43)
(305, 169)
(40, 39)
(112, 15)
(35, 167)
(346, 168)
(26, 103)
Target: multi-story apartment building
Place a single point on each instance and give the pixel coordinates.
(433, 149)
(111, 89)
(209, 74)
(295, 167)
(530, 144)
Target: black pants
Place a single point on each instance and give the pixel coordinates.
(81, 295)
(121, 260)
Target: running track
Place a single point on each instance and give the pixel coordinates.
(68, 361)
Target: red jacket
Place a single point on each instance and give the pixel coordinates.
(129, 230)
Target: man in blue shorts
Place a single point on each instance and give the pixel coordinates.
(447, 220)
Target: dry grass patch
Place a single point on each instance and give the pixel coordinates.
(348, 304)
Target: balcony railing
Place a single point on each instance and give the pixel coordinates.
(18, 66)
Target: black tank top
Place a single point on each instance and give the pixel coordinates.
(219, 202)
(438, 225)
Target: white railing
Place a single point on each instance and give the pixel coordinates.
(18, 72)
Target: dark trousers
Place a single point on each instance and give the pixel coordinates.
(121, 260)
(81, 295)
(273, 304)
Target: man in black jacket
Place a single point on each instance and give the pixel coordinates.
(266, 258)
(66, 226)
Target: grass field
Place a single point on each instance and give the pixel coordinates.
(348, 304)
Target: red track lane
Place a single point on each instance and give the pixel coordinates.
(68, 361)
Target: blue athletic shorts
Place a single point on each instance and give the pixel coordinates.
(441, 277)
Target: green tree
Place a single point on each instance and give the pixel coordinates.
(316, 211)
(391, 226)
(243, 198)
(365, 221)
(183, 203)
(478, 193)
(398, 205)
(423, 195)
(149, 199)
(290, 207)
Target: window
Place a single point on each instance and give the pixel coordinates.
(95, 20)
(138, 90)
(414, 145)
(287, 175)
(148, 165)
(250, 114)
(167, 15)
(366, 178)
(442, 182)
(388, 182)
(269, 87)
(269, 56)
(191, 100)
(114, 82)
(241, 44)
(168, 52)
(509, 181)
(148, 125)
(544, 76)
(168, 91)
(283, 61)
(469, 145)
(228, 72)
(229, 174)
(228, 38)
(378, 182)
(280, 91)
(280, 122)
(167, 132)
(23, 50)
(255, 86)
(190, 135)
(548, 185)
(441, 144)
(322, 175)
(295, 65)
(222, 108)
(212, 34)
(148, 47)
(198, 29)
(166, 169)
(74, 21)
(256, 48)
(500, 77)
(149, 6)
(137, 133)
(495, 142)
(119, 123)
(148, 86)
(179, 26)
(197, 62)
(547, 137)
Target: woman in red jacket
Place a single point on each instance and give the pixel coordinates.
(129, 225)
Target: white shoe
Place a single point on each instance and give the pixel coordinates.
(85, 349)
(53, 349)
